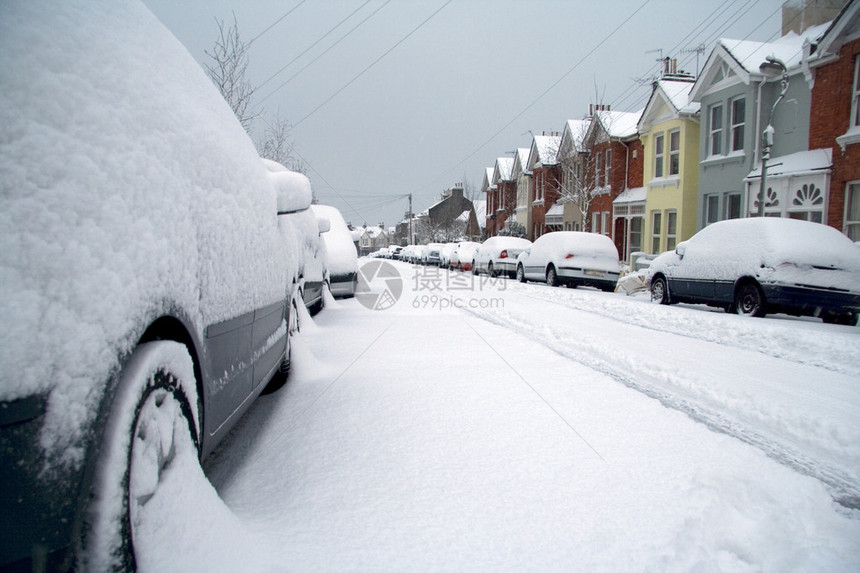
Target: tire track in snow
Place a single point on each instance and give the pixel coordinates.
(584, 350)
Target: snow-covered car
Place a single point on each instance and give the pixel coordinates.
(432, 254)
(445, 255)
(498, 256)
(147, 268)
(395, 252)
(571, 258)
(461, 257)
(341, 256)
(763, 265)
(305, 231)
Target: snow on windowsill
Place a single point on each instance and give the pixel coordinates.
(737, 156)
(850, 137)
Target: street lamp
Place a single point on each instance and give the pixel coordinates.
(771, 67)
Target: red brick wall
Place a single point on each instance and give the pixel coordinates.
(830, 115)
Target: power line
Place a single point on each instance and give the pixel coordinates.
(376, 61)
(309, 64)
(276, 22)
(306, 50)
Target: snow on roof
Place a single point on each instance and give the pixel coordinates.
(502, 171)
(556, 209)
(619, 123)
(544, 150)
(464, 216)
(635, 195)
(523, 157)
(788, 48)
(577, 129)
(678, 94)
(488, 179)
(796, 163)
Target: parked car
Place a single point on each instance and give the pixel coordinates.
(461, 257)
(306, 232)
(148, 276)
(764, 265)
(445, 255)
(432, 254)
(341, 256)
(498, 256)
(571, 258)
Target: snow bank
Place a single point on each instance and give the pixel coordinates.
(123, 175)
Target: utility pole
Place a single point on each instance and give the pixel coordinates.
(411, 242)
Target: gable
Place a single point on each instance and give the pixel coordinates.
(721, 71)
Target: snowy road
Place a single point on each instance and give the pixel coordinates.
(529, 428)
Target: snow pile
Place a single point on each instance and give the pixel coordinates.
(128, 185)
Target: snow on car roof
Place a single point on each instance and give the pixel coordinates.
(590, 244)
(341, 256)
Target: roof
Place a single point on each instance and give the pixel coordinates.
(635, 195)
(521, 161)
(488, 180)
(544, 150)
(837, 34)
(802, 162)
(480, 211)
(672, 93)
(619, 124)
(574, 135)
(503, 169)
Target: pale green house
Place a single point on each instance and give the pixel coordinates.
(669, 131)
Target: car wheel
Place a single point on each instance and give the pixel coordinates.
(152, 424)
(551, 277)
(749, 300)
(490, 270)
(845, 318)
(474, 268)
(521, 274)
(659, 292)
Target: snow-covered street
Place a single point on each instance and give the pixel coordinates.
(559, 430)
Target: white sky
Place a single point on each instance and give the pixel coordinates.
(463, 89)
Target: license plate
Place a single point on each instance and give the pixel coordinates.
(594, 273)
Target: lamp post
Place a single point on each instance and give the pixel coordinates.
(771, 67)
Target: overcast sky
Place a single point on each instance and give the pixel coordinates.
(466, 81)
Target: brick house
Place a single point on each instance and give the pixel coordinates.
(546, 177)
(505, 193)
(488, 191)
(834, 66)
(614, 164)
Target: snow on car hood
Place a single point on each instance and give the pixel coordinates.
(123, 176)
(342, 256)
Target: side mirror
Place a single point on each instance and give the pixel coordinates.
(681, 248)
(324, 225)
(293, 189)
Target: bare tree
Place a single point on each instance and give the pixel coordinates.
(228, 71)
(277, 146)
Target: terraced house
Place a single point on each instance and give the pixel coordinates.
(669, 131)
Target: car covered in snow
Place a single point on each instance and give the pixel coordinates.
(432, 254)
(571, 258)
(498, 256)
(341, 256)
(149, 268)
(461, 257)
(306, 231)
(763, 265)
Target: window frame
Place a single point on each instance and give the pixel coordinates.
(675, 153)
(656, 231)
(851, 227)
(715, 130)
(671, 229)
(738, 128)
(855, 95)
(604, 222)
(607, 167)
(659, 154)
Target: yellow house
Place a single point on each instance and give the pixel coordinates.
(669, 131)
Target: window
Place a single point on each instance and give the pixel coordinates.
(733, 206)
(712, 209)
(738, 117)
(671, 230)
(716, 130)
(608, 168)
(636, 234)
(605, 222)
(852, 211)
(674, 152)
(855, 100)
(597, 169)
(595, 222)
(658, 155)
(656, 228)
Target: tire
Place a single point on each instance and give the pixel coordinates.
(749, 300)
(474, 268)
(491, 272)
(521, 274)
(151, 412)
(551, 277)
(659, 291)
(844, 318)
